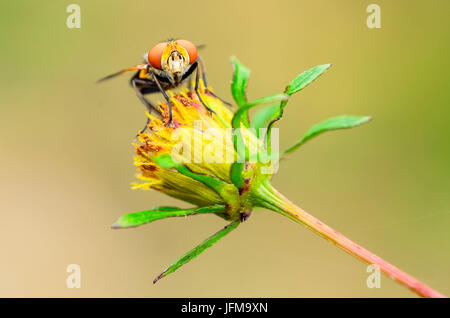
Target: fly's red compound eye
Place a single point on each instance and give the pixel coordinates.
(154, 55)
(190, 48)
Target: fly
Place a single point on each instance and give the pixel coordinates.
(166, 66)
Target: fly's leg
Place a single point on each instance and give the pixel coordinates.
(196, 66)
(170, 123)
(186, 77)
(148, 105)
(197, 79)
(145, 127)
(202, 66)
(138, 86)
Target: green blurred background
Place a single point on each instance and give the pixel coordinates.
(66, 154)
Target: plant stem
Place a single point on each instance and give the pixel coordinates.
(270, 198)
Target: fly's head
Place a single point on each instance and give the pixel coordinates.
(173, 58)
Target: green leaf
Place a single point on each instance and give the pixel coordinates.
(277, 116)
(300, 82)
(340, 122)
(236, 174)
(139, 218)
(240, 79)
(197, 250)
(262, 117)
(165, 161)
(239, 116)
(238, 86)
(306, 78)
(238, 141)
(267, 99)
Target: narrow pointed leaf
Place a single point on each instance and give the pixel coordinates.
(306, 78)
(238, 141)
(277, 116)
(263, 116)
(240, 79)
(197, 250)
(267, 99)
(300, 82)
(239, 84)
(340, 122)
(238, 119)
(139, 218)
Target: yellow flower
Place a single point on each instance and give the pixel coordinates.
(203, 143)
(222, 163)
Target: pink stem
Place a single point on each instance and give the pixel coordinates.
(281, 204)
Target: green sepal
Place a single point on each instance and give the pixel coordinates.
(236, 174)
(139, 218)
(297, 84)
(267, 99)
(240, 79)
(238, 141)
(263, 116)
(340, 122)
(222, 188)
(197, 250)
(165, 161)
(238, 119)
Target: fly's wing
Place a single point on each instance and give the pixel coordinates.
(130, 69)
(145, 58)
